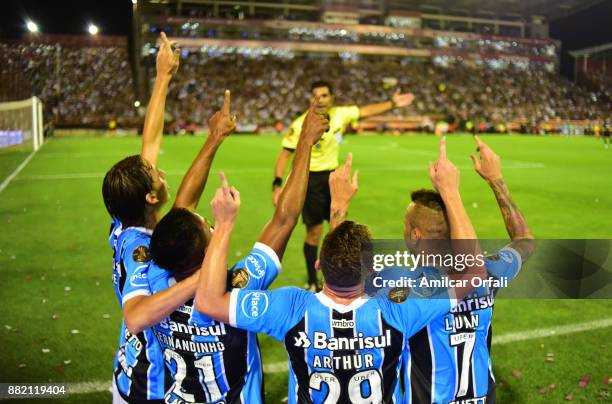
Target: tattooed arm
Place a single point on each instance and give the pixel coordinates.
(489, 167)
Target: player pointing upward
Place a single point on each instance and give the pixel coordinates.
(323, 161)
(342, 346)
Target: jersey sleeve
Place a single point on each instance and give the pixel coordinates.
(257, 270)
(290, 140)
(136, 259)
(422, 305)
(159, 278)
(506, 263)
(349, 114)
(273, 312)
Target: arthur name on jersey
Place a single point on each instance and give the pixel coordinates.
(322, 341)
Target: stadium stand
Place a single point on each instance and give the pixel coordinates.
(491, 73)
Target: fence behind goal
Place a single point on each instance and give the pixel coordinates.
(21, 134)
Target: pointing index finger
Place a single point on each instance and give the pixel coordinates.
(443, 148)
(226, 102)
(349, 162)
(224, 184)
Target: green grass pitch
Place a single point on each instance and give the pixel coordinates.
(55, 263)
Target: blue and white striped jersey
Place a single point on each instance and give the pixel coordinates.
(139, 367)
(210, 361)
(449, 360)
(337, 353)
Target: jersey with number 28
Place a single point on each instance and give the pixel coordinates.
(337, 353)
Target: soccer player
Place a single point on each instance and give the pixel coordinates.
(323, 161)
(134, 190)
(211, 361)
(449, 360)
(342, 346)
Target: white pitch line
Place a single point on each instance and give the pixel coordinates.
(551, 332)
(280, 367)
(17, 171)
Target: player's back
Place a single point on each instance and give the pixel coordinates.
(210, 361)
(338, 353)
(139, 368)
(344, 354)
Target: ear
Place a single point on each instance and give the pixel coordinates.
(152, 198)
(318, 264)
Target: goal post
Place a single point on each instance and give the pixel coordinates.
(21, 124)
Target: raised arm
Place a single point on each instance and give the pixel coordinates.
(488, 165)
(342, 189)
(398, 100)
(212, 297)
(276, 232)
(220, 125)
(142, 312)
(445, 178)
(166, 65)
(279, 172)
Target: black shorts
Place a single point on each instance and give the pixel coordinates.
(318, 198)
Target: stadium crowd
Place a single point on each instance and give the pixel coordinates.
(93, 87)
(79, 86)
(273, 89)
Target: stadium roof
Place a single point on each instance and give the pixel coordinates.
(503, 9)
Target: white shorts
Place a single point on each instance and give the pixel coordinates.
(117, 399)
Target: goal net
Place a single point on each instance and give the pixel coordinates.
(21, 125)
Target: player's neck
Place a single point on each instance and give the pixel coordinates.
(342, 297)
(151, 219)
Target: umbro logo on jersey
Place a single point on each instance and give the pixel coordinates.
(301, 341)
(343, 323)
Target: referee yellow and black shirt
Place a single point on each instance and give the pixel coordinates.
(324, 156)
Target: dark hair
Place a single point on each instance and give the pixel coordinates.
(430, 214)
(321, 83)
(178, 242)
(125, 188)
(341, 254)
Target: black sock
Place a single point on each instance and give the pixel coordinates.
(310, 253)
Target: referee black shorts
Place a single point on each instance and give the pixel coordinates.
(318, 198)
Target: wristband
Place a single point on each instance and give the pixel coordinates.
(278, 181)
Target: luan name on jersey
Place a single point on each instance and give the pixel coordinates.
(449, 360)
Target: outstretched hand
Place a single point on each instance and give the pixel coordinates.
(226, 203)
(488, 164)
(315, 123)
(402, 99)
(443, 173)
(342, 186)
(167, 61)
(221, 123)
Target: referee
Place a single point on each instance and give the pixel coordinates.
(324, 160)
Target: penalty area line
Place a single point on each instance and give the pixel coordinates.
(280, 367)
